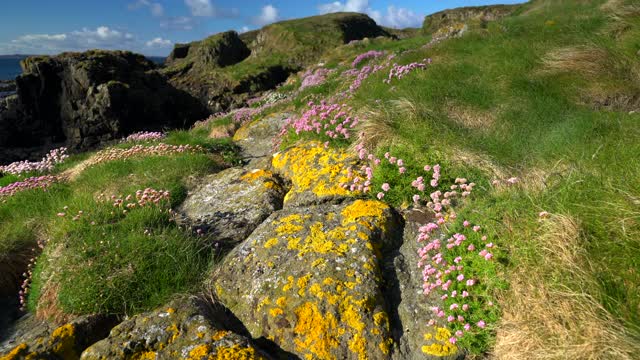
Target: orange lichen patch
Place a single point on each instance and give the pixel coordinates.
(289, 284)
(219, 335)
(282, 301)
(302, 284)
(18, 352)
(314, 168)
(171, 310)
(199, 352)
(236, 352)
(315, 334)
(441, 346)
(358, 345)
(63, 341)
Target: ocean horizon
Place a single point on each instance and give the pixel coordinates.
(10, 66)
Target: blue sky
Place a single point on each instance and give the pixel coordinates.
(152, 27)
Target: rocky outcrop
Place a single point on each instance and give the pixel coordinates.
(183, 329)
(310, 280)
(316, 173)
(256, 139)
(229, 205)
(454, 17)
(219, 50)
(84, 99)
(7, 88)
(34, 339)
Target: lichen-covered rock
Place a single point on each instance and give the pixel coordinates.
(316, 173)
(34, 339)
(446, 18)
(310, 280)
(256, 138)
(229, 205)
(418, 340)
(218, 50)
(184, 329)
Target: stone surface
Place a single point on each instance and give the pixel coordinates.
(310, 280)
(184, 329)
(84, 99)
(315, 172)
(30, 338)
(256, 138)
(417, 340)
(452, 17)
(218, 50)
(229, 205)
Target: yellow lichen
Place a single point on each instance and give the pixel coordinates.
(219, 335)
(265, 301)
(145, 355)
(63, 341)
(369, 213)
(173, 328)
(358, 345)
(282, 301)
(302, 284)
(270, 243)
(199, 352)
(442, 346)
(381, 319)
(315, 334)
(236, 352)
(289, 284)
(171, 310)
(16, 353)
(313, 168)
(257, 175)
(276, 311)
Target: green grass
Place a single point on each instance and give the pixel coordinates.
(112, 266)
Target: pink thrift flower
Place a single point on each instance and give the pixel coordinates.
(543, 214)
(458, 333)
(380, 195)
(453, 340)
(387, 155)
(465, 294)
(460, 277)
(451, 318)
(402, 170)
(467, 327)
(481, 324)
(465, 307)
(488, 256)
(476, 228)
(471, 247)
(470, 282)
(386, 187)
(416, 198)
(466, 223)
(392, 160)
(427, 168)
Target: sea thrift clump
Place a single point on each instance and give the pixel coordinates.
(161, 149)
(314, 78)
(56, 156)
(27, 275)
(399, 71)
(142, 198)
(331, 121)
(38, 182)
(145, 136)
(372, 54)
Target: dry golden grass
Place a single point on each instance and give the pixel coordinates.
(378, 128)
(588, 60)
(544, 320)
(222, 131)
(478, 161)
(470, 118)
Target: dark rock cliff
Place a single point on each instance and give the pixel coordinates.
(83, 99)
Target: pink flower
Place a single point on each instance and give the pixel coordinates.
(380, 195)
(481, 324)
(467, 327)
(460, 277)
(400, 162)
(427, 168)
(453, 340)
(476, 228)
(61, 214)
(470, 282)
(453, 306)
(416, 198)
(386, 187)
(465, 307)
(387, 155)
(402, 170)
(451, 318)
(459, 333)
(471, 247)
(488, 256)
(543, 214)
(465, 294)
(392, 160)
(512, 180)
(466, 223)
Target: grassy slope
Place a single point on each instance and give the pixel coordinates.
(520, 98)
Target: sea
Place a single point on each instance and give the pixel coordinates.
(10, 65)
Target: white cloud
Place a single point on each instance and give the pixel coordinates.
(158, 43)
(155, 8)
(102, 37)
(201, 7)
(178, 23)
(349, 5)
(244, 29)
(401, 18)
(268, 15)
(394, 17)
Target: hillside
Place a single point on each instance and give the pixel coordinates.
(469, 191)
